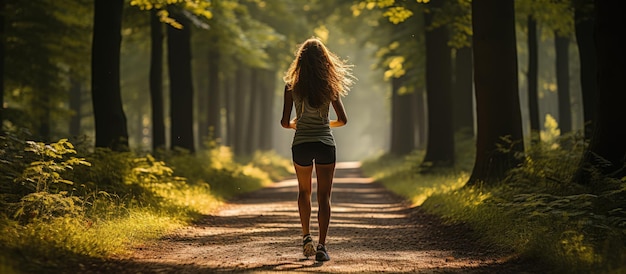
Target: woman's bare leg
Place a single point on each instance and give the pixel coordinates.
(325, 174)
(304, 173)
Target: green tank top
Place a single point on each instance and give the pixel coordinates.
(313, 124)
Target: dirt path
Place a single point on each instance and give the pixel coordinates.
(372, 230)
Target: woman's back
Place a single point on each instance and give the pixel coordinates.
(313, 123)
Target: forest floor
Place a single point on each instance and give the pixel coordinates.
(371, 230)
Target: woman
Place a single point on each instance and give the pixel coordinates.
(316, 79)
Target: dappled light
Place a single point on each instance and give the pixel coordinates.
(177, 136)
(368, 222)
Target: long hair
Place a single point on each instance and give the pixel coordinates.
(318, 75)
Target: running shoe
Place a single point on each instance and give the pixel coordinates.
(307, 246)
(321, 254)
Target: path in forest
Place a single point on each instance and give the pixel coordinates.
(372, 230)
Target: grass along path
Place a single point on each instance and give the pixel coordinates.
(372, 230)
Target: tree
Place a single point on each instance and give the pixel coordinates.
(2, 42)
(110, 120)
(214, 95)
(606, 152)
(440, 144)
(561, 45)
(402, 129)
(156, 81)
(497, 99)
(584, 24)
(532, 75)
(463, 91)
(181, 87)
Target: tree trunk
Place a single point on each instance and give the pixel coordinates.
(44, 106)
(402, 131)
(252, 122)
(214, 99)
(181, 86)
(229, 90)
(497, 98)
(239, 107)
(584, 23)
(2, 52)
(156, 82)
(421, 119)
(607, 149)
(75, 105)
(440, 145)
(268, 85)
(561, 45)
(532, 75)
(462, 100)
(110, 120)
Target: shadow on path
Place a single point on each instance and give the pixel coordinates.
(372, 230)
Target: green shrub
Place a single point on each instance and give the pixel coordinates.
(537, 210)
(60, 203)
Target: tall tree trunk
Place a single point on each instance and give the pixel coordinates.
(462, 100)
(76, 104)
(252, 122)
(607, 149)
(44, 113)
(2, 52)
(268, 85)
(229, 91)
(181, 86)
(156, 82)
(440, 145)
(561, 45)
(110, 120)
(239, 107)
(421, 119)
(497, 98)
(584, 23)
(532, 75)
(402, 130)
(214, 102)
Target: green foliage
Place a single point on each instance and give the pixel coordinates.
(537, 210)
(273, 164)
(62, 203)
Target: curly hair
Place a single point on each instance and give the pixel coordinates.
(318, 75)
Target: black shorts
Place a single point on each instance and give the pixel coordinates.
(304, 154)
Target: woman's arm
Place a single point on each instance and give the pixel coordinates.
(287, 105)
(342, 119)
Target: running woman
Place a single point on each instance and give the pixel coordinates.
(315, 80)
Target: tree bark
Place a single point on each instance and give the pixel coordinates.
(75, 105)
(561, 45)
(239, 107)
(268, 85)
(214, 102)
(607, 150)
(181, 86)
(532, 75)
(252, 137)
(156, 82)
(497, 98)
(110, 120)
(440, 144)
(462, 100)
(2, 53)
(584, 24)
(402, 125)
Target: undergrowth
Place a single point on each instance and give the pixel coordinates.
(61, 203)
(537, 211)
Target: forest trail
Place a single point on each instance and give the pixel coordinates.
(371, 230)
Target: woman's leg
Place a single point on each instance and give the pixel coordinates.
(304, 173)
(325, 174)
